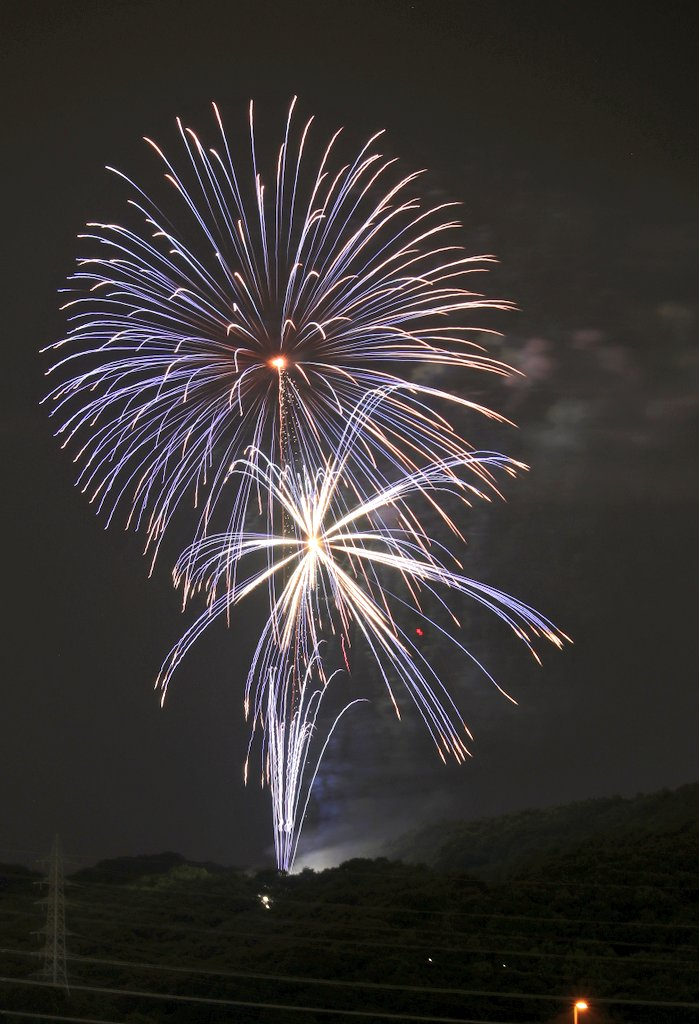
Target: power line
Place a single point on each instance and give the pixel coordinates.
(277, 936)
(620, 962)
(425, 945)
(213, 1001)
(249, 1004)
(323, 981)
(284, 978)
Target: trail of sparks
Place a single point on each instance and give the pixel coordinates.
(328, 284)
(254, 349)
(289, 726)
(337, 566)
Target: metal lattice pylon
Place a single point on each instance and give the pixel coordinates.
(54, 952)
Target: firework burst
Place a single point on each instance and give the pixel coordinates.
(260, 321)
(250, 347)
(340, 568)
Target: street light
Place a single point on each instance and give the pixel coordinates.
(579, 1005)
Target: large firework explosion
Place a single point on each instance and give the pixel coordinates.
(250, 350)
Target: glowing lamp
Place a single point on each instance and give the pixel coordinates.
(578, 1006)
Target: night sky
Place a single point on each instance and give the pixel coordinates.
(569, 132)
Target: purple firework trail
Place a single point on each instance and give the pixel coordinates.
(256, 361)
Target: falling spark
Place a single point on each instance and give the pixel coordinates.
(253, 348)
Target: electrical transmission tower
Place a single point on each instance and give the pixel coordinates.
(54, 953)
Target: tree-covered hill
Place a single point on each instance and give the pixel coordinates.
(494, 847)
(611, 915)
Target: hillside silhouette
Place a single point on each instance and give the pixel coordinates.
(494, 847)
(513, 919)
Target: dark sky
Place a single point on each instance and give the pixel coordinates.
(569, 133)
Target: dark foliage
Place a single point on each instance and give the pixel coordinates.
(494, 847)
(597, 899)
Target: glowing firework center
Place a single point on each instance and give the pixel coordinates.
(305, 486)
